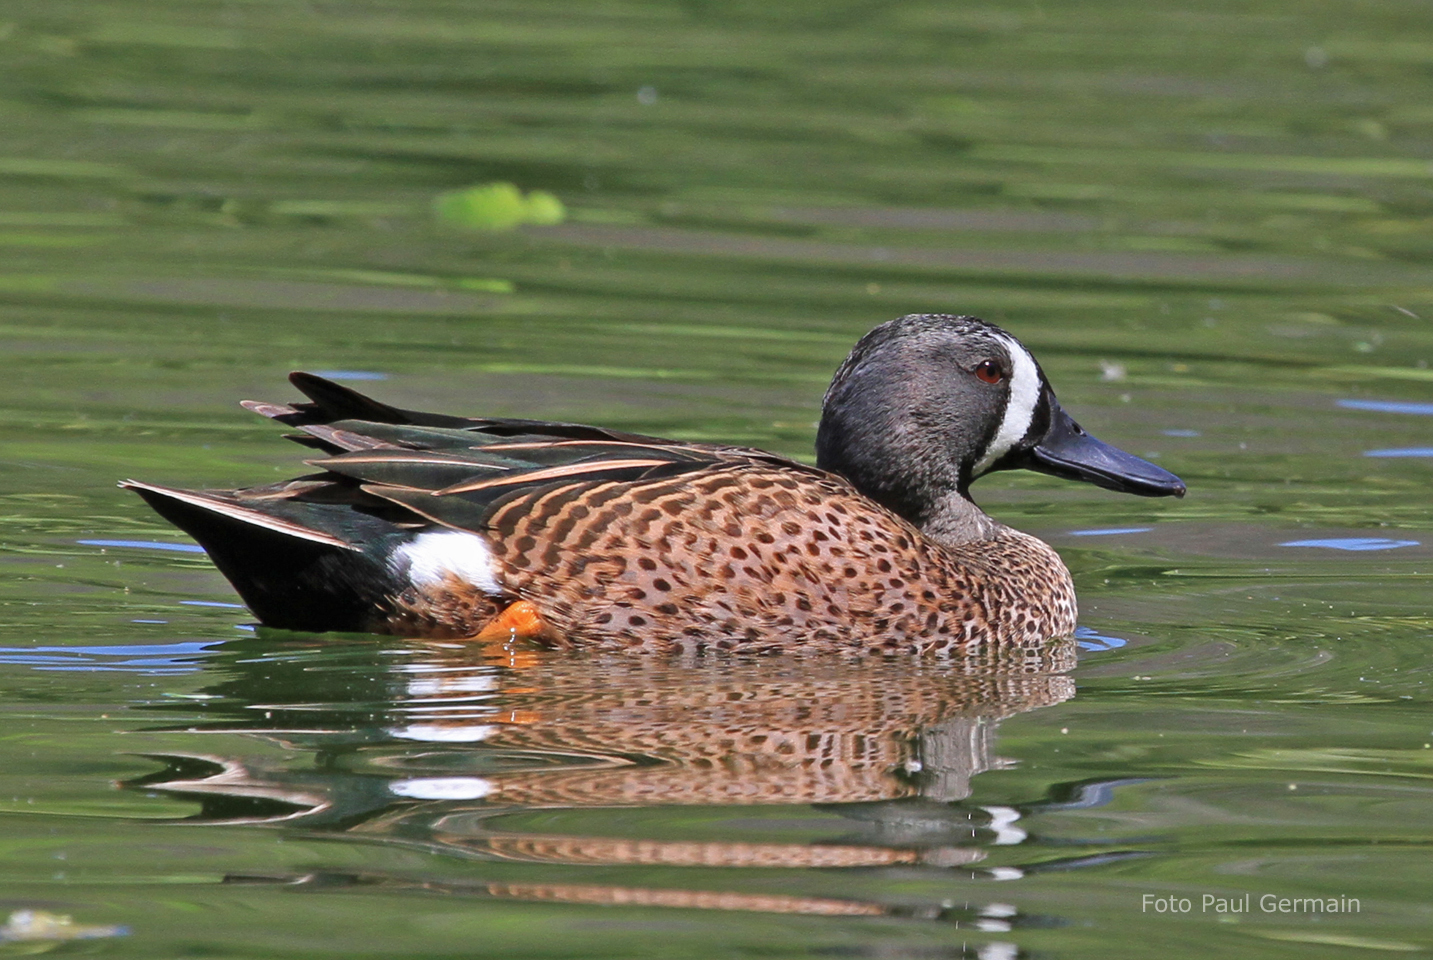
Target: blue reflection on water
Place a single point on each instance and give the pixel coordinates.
(1088, 639)
(1109, 532)
(1401, 452)
(1388, 406)
(145, 545)
(350, 375)
(1353, 543)
(149, 658)
(1088, 796)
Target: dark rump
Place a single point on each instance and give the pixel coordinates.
(288, 580)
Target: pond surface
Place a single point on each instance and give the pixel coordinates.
(1212, 224)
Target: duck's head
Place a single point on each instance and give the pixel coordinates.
(927, 403)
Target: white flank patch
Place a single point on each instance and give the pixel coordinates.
(442, 788)
(1019, 408)
(435, 556)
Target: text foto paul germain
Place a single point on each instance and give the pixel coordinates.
(1268, 903)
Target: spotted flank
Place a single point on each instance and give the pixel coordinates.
(569, 535)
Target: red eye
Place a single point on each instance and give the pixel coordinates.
(989, 371)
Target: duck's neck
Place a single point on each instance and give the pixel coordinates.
(954, 519)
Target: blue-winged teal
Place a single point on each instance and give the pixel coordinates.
(427, 525)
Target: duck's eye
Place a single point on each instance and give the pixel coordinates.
(989, 371)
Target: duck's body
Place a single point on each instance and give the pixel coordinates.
(748, 556)
(428, 525)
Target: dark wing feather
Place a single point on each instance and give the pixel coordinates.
(557, 429)
(471, 507)
(335, 440)
(408, 435)
(341, 408)
(456, 512)
(480, 477)
(282, 519)
(332, 402)
(428, 468)
(423, 469)
(563, 475)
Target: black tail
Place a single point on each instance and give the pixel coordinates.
(304, 566)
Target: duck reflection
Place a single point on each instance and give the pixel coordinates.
(512, 758)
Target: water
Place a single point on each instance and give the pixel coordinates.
(1211, 225)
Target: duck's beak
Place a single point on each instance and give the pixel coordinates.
(1068, 451)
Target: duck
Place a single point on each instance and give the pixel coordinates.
(573, 536)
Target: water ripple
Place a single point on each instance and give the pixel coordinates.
(1401, 452)
(144, 545)
(1353, 543)
(1388, 406)
(149, 658)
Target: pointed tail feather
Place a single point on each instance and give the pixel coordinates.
(334, 401)
(168, 500)
(298, 566)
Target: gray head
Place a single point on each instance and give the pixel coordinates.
(927, 403)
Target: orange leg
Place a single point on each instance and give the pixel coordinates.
(520, 621)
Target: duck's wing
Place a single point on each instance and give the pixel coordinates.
(455, 471)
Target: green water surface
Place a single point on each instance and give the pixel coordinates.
(1212, 223)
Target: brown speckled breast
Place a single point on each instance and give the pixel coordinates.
(753, 557)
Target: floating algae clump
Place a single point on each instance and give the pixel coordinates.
(498, 206)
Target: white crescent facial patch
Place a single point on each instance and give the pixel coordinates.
(1019, 408)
